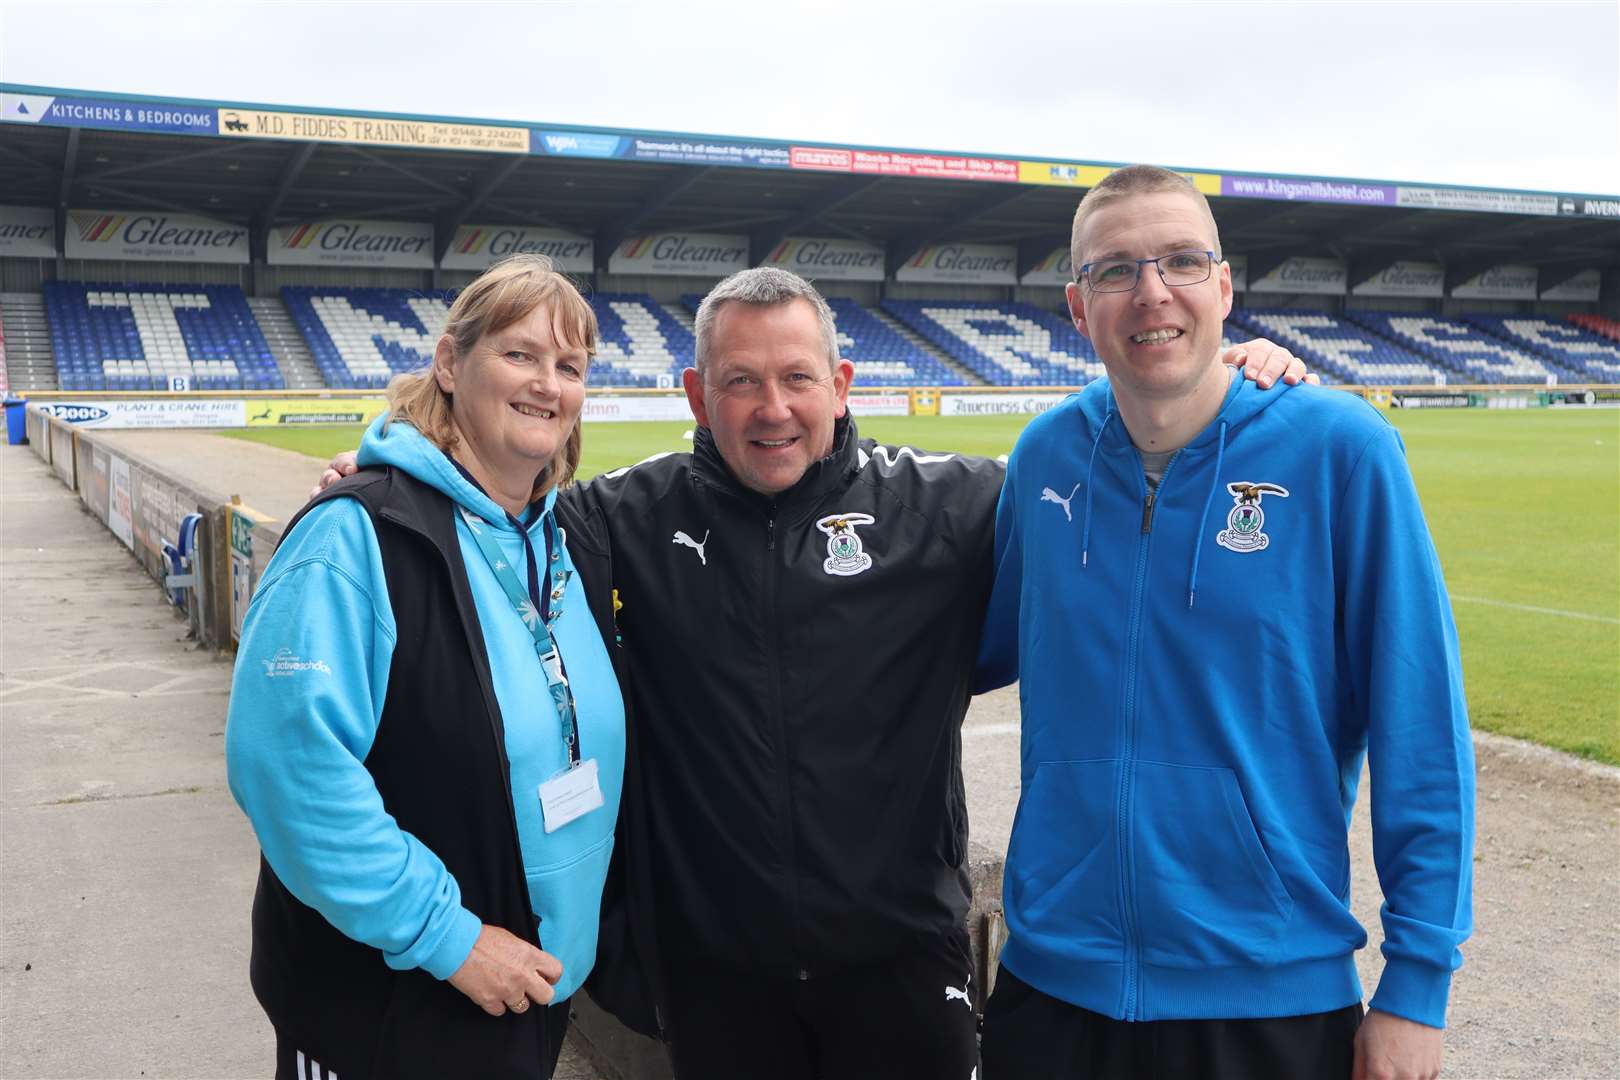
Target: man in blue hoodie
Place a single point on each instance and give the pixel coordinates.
(1216, 602)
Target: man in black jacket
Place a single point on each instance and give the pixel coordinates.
(801, 608)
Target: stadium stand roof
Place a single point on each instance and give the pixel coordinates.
(259, 166)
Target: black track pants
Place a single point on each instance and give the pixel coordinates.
(293, 1063)
(890, 1021)
(1029, 1035)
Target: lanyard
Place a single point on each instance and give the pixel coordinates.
(545, 646)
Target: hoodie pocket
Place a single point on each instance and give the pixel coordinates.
(568, 896)
(1206, 892)
(1062, 879)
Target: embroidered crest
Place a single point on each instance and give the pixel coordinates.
(844, 555)
(1242, 532)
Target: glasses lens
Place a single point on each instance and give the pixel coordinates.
(1185, 267)
(1112, 275)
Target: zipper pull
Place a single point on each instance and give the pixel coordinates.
(770, 535)
(1147, 512)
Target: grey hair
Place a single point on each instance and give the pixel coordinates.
(763, 286)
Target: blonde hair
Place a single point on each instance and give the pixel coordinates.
(1135, 180)
(507, 292)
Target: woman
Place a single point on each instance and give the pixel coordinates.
(425, 727)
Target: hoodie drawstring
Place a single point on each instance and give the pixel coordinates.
(1198, 536)
(1085, 528)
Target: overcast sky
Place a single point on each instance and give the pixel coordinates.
(1503, 94)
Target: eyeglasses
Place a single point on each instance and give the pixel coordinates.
(1122, 275)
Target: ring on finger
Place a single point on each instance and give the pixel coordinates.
(519, 1005)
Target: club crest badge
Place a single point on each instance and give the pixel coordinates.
(845, 558)
(1243, 523)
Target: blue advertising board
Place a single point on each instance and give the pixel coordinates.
(61, 111)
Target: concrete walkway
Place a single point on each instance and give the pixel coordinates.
(126, 871)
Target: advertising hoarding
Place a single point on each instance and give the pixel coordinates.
(119, 518)
(839, 260)
(1014, 404)
(1500, 283)
(373, 131)
(1304, 274)
(864, 404)
(476, 247)
(1301, 189)
(691, 254)
(136, 413)
(349, 242)
(1584, 286)
(903, 163)
(28, 232)
(112, 113)
(610, 408)
(977, 264)
(146, 235)
(1479, 201)
(352, 410)
(1405, 277)
(1057, 268)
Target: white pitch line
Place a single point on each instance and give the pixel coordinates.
(1609, 619)
(975, 730)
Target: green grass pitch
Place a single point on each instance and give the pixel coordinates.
(1525, 510)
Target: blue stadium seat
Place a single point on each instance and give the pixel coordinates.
(1336, 348)
(1577, 355)
(360, 338)
(1005, 344)
(639, 341)
(1463, 351)
(143, 337)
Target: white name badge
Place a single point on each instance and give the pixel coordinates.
(570, 794)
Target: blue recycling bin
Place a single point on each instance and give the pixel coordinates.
(16, 422)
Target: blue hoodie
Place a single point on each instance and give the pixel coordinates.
(295, 747)
(1201, 675)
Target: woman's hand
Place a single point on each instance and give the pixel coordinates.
(503, 972)
(341, 466)
(1262, 361)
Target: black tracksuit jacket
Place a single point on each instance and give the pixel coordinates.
(798, 762)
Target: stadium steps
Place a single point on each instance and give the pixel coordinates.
(679, 313)
(969, 378)
(30, 355)
(286, 343)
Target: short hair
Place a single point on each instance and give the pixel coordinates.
(506, 293)
(1135, 180)
(763, 286)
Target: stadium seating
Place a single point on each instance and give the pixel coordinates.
(1337, 349)
(1005, 344)
(144, 337)
(1598, 324)
(1579, 355)
(1463, 351)
(361, 338)
(639, 341)
(880, 355)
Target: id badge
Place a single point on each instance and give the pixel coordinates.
(570, 794)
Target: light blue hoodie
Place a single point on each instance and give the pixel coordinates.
(306, 699)
(1200, 680)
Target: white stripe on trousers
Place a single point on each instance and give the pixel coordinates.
(310, 1069)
